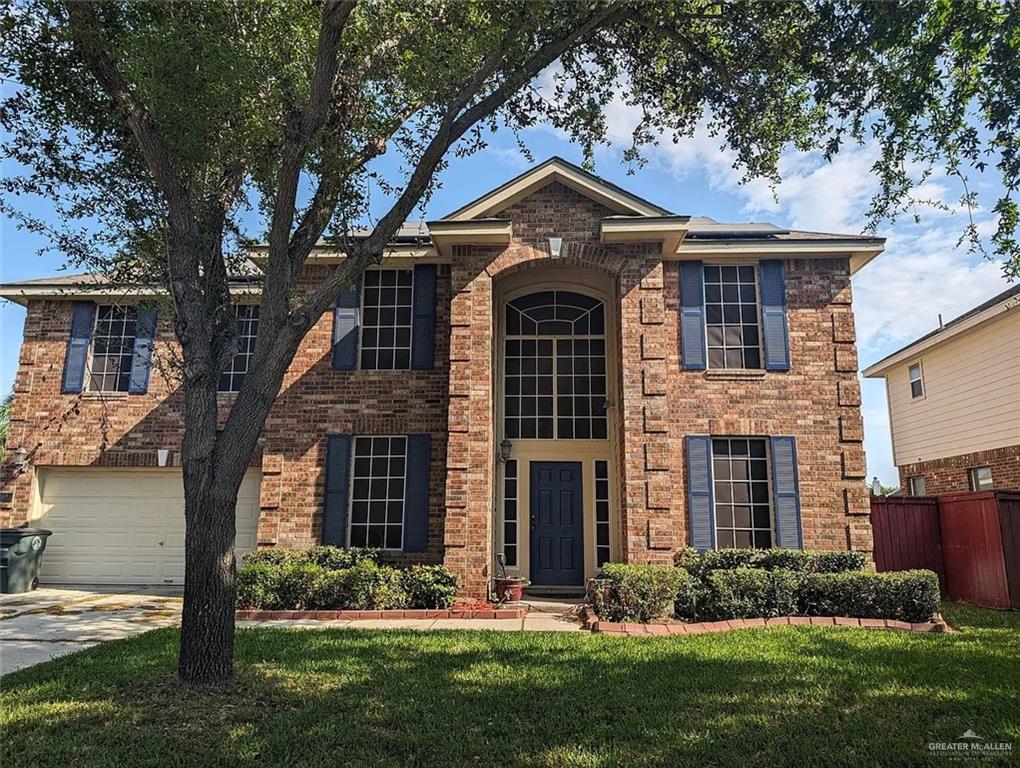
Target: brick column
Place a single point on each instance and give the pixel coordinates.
(470, 454)
(649, 528)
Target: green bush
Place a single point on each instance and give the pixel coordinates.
(256, 585)
(338, 558)
(267, 557)
(746, 593)
(296, 584)
(636, 592)
(802, 560)
(430, 586)
(904, 595)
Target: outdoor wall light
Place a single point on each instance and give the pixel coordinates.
(555, 246)
(20, 459)
(505, 447)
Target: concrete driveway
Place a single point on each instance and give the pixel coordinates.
(50, 622)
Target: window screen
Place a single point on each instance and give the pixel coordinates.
(377, 492)
(743, 508)
(731, 317)
(386, 319)
(247, 316)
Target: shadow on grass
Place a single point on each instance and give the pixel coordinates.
(790, 696)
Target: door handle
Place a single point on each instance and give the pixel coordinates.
(532, 522)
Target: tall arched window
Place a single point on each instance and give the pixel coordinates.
(555, 367)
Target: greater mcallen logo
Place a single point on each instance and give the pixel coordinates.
(971, 745)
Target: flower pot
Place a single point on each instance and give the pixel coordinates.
(511, 590)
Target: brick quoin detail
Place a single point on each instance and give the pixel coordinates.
(817, 401)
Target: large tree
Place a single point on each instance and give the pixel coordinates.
(159, 125)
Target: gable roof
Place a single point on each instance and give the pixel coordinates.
(987, 310)
(557, 169)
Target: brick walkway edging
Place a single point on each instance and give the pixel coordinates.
(592, 622)
(434, 613)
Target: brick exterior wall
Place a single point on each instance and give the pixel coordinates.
(952, 473)
(817, 401)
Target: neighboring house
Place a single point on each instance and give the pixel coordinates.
(559, 372)
(954, 402)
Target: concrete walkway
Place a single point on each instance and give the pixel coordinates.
(542, 616)
(50, 622)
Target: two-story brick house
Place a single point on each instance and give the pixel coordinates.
(559, 373)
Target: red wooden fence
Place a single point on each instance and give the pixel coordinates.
(906, 532)
(971, 540)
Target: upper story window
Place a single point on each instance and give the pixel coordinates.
(113, 344)
(916, 382)
(916, 485)
(377, 493)
(386, 319)
(981, 479)
(247, 317)
(554, 384)
(743, 508)
(731, 317)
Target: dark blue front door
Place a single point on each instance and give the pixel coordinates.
(557, 553)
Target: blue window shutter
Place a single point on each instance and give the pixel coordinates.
(701, 512)
(346, 322)
(83, 318)
(423, 324)
(141, 360)
(334, 508)
(416, 493)
(775, 334)
(786, 493)
(692, 316)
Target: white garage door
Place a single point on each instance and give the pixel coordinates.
(123, 526)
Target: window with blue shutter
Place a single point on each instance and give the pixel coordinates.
(692, 316)
(141, 360)
(423, 331)
(83, 317)
(334, 508)
(775, 333)
(346, 319)
(700, 510)
(416, 493)
(786, 493)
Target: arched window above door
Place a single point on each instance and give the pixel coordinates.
(555, 313)
(554, 363)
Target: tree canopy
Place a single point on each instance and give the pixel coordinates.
(153, 127)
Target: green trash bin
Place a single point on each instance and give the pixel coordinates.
(20, 555)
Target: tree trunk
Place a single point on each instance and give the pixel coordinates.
(207, 624)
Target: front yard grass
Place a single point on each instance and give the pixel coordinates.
(792, 696)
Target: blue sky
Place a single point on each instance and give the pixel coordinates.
(898, 297)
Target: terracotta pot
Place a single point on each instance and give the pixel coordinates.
(509, 589)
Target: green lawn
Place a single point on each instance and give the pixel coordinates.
(791, 696)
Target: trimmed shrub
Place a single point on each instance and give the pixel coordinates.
(338, 558)
(746, 593)
(267, 556)
(430, 586)
(904, 595)
(256, 585)
(636, 592)
(840, 561)
(294, 584)
(801, 560)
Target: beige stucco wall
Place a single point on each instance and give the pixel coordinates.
(971, 396)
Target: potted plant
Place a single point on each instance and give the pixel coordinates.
(508, 588)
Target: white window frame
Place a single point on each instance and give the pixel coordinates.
(608, 523)
(975, 484)
(919, 380)
(89, 387)
(758, 316)
(230, 371)
(516, 498)
(912, 482)
(351, 499)
(768, 483)
(361, 322)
